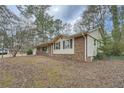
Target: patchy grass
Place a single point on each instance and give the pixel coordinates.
(37, 71)
(5, 79)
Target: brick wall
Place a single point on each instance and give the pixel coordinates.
(39, 51)
(78, 51)
(79, 48)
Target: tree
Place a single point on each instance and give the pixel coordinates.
(106, 45)
(46, 26)
(93, 17)
(42, 19)
(7, 18)
(58, 27)
(116, 34)
(121, 23)
(97, 16)
(17, 31)
(67, 29)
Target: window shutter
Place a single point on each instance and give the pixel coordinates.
(63, 44)
(59, 45)
(70, 43)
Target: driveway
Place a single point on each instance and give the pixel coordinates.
(39, 71)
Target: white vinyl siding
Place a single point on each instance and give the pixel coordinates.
(34, 51)
(93, 44)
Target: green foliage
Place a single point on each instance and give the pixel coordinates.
(100, 56)
(106, 46)
(116, 34)
(29, 52)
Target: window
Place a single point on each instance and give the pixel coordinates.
(67, 44)
(57, 45)
(44, 48)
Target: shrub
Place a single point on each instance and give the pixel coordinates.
(29, 52)
(100, 56)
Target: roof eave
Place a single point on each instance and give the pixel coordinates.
(60, 36)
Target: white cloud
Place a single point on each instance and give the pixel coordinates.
(56, 9)
(66, 13)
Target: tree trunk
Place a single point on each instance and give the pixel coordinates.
(14, 53)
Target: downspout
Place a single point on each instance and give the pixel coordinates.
(85, 55)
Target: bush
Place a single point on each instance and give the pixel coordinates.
(99, 56)
(29, 52)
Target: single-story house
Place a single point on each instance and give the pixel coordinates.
(82, 46)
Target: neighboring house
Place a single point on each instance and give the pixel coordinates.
(80, 47)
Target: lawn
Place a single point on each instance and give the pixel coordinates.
(32, 71)
(116, 58)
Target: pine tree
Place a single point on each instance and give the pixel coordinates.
(116, 34)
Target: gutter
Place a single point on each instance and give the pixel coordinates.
(85, 57)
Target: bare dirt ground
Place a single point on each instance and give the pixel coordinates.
(32, 71)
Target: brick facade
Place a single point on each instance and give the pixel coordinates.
(79, 48)
(79, 51)
(38, 52)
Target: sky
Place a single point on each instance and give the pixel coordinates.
(67, 13)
